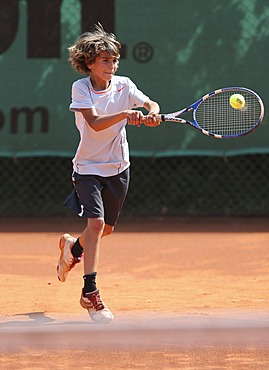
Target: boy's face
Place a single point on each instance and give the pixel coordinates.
(104, 66)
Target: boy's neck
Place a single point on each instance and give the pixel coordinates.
(99, 86)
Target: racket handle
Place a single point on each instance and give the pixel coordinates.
(161, 117)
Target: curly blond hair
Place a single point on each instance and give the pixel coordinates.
(89, 45)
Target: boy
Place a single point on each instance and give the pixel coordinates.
(102, 103)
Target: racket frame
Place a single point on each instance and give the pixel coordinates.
(173, 117)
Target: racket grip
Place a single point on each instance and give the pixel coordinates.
(161, 117)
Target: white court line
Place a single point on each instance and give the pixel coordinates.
(56, 331)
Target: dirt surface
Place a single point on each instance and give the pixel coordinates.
(184, 269)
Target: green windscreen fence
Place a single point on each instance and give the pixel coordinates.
(175, 51)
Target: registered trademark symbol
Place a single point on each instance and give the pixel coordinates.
(143, 52)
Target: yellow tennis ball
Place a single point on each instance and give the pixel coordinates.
(237, 101)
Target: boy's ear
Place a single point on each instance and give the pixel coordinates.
(87, 61)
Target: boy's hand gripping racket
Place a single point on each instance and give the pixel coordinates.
(214, 115)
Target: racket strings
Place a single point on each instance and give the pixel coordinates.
(216, 115)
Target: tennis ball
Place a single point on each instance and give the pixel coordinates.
(237, 101)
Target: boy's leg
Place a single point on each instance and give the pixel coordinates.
(91, 244)
(90, 239)
(90, 296)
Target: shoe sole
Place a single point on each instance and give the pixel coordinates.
(61, 247)
(100, 319)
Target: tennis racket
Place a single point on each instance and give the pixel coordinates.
(214, 116)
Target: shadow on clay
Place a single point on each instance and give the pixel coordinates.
(37, 319)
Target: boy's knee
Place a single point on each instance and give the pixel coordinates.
(96, 224)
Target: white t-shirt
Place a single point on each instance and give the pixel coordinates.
(105, 152)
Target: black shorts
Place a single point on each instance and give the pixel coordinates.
(96, 196)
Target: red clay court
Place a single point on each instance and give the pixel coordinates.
(186, 294)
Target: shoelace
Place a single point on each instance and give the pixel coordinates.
(96, 301)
